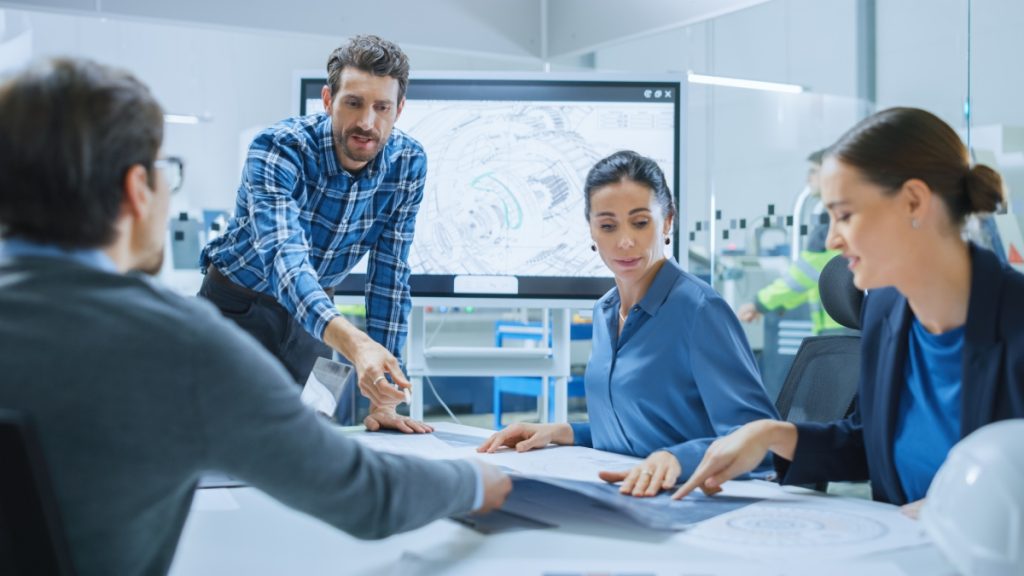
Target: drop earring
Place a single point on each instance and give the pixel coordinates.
(915, 224)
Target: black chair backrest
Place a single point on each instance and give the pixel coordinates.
(31, 534)
(840, 298)
(821, 385)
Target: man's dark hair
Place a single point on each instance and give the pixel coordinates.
(628, 165)
(69, 131)
(371, 54)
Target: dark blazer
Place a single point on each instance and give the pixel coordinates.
(861, 446)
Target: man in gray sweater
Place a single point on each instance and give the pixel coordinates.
(133, 390)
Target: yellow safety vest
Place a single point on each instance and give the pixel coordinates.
(799, 285)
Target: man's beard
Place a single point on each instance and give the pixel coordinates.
(358, 156)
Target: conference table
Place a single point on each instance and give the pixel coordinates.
(240, 530)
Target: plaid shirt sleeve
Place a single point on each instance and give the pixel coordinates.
(270, 178)
(387, 288)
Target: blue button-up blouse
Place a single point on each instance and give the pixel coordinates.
(680, 374)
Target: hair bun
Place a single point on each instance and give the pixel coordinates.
(984, 189)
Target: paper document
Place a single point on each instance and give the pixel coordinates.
(218, 480)
(811, 524)
(214, 500)
(558, 481)
(554, 500)
(501, 521)
(451, 441)
(754, 519)
(428, 446)
(462, 430)
(457, 439)
(561, 462)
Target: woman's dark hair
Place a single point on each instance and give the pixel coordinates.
(371, 54)
(628, 165)
(69, 131)
(898, 144)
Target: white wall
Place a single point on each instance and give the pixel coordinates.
(997, 43)
(241, 78)
(487, 26)
(925, 64)
(578, 26)
(524, 28)
(15, 42)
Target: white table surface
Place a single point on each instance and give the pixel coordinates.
(244, 531)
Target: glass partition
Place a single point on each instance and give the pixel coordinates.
(753, 203)
(995, 118)
(749, 208)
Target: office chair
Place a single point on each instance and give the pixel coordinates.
(31, 534)
(821, 386)
(822, 383)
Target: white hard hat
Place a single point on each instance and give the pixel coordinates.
(975, 507)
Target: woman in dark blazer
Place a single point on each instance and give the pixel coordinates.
(942, 351)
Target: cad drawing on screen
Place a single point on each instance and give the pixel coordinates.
(503, 208)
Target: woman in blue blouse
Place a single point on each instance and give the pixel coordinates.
(942, 348)
(670, 368)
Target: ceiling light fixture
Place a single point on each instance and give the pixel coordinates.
(186, 118)
(741, 83)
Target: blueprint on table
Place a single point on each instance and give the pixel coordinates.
(659, 512)
(755, 519)
(559, 480)
(552, 500)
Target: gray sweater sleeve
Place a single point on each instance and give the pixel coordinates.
(256, 428)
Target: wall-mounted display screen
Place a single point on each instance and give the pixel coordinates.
(503, 207)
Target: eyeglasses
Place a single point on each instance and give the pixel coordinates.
(174, 170)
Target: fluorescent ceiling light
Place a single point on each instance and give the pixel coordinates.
(185, 118)
(740, 83)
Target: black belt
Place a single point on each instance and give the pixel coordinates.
(214, 274)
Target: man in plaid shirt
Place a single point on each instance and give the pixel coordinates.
(319, 192)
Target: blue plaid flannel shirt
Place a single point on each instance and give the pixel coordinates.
(302, 222)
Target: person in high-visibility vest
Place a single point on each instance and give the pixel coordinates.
(797, 286)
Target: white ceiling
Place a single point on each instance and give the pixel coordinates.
(541, 29)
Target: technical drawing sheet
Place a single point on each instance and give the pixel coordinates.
(788, 522)
(752, 519)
